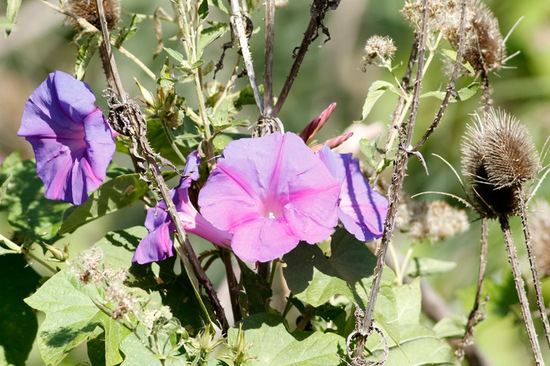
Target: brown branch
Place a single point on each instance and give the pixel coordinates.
(533, 265)
(318, 12)
(476, 315)
(400, 167)
(451, 85)
(238, 26)
(520, 288)
(232, 284)
(268, 69)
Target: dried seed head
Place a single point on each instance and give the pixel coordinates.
(540, 232)
(435, 221)
(484, 46)
(87, 9)
(498, 157)
(377, 49)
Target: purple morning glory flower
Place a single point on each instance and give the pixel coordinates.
(270, 193)
(361, 209)
(158, 245)
(70, 137)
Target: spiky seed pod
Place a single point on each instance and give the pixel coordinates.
(87, 9)
(498, 157)
(484, 47)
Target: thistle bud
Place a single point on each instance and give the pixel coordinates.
(87, 9)
(498, 157)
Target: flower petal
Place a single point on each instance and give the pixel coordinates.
(263, 240)
(71, 139)
(156, 246)
(362, 210)
(260, 186)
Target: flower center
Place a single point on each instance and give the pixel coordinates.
(272, 208)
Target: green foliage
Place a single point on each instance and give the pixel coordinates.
(72, 317)
(11, 13)
(410, 343)
(376, 90)
(111, 196)
(18, 323)
(272, 344)
(421, 266)
(314, 278)
(30, 213)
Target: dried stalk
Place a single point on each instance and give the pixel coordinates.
(268, 69)
(400, 168)
(520, 288)
(534, 271)
(238, 26)
(138, 124)
(476, 315)
(451, 85)
(318, 12)
(232, 284)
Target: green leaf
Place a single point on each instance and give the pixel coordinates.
(315, 279)
(175, 55)
(85, 55)
(451, 326)
(246, 97)
(203, 9)
(451, 54)
(72, 317)
(185, 138)
(420, 351)
(461, 95)
(135, 353)
(272, 344)
(428, 266)
(257, 293)
(11, 11)
(111, 196)
(126, 33)
(209, 35)
(96, 350)
(371, 151)
(220, 5)
(410, 343)
(4, 187)
(29, 212)
(119, 246)
(376, 90)
(18, 323)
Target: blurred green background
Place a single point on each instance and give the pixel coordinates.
(41, 44)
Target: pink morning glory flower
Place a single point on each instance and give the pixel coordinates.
(158, 245)
(361, 209)
(270, 193)
(70, 137)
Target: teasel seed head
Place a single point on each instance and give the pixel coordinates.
(484, 46)
(87, 9)
(498, 157)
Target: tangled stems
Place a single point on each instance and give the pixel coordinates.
(138, 123)
(189, 36)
